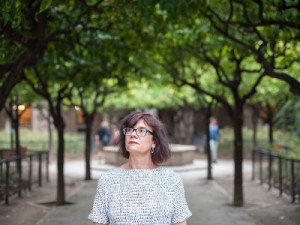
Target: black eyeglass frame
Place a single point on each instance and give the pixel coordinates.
(135, 130)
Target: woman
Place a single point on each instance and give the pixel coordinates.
(140, 192)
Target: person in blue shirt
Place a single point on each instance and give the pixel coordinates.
(102, 138)
(214, 135)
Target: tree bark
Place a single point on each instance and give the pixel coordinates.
(88, 150)
(60, 197)
(18, 150)
(13, 114)
(50, 138)
(238, 198)
(16, 71)
(11, 80)
(208, 151)
(270, 115)
(254, 119)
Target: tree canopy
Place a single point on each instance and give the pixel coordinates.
(148, 53)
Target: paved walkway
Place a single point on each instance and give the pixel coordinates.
(209, 203)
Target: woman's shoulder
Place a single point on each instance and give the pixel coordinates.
(167, 170)
(159, 171)
(170, 174)
(110, 174)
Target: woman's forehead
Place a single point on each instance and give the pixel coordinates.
(141, 123)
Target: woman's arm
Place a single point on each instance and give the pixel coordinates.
(181, 223)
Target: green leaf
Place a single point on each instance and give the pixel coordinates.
(45, 5)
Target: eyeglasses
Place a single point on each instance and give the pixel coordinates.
(140, 131)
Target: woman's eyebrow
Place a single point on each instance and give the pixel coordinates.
(141, 127)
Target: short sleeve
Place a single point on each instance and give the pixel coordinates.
(99, 210)
(180, 211)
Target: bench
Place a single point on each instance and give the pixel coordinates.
(10, 153)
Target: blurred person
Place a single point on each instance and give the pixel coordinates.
(114, 134)
(102, 137)
(140, 192)
(214, 135)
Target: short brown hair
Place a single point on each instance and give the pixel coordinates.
(162, 150)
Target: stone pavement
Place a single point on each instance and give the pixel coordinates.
(207, 200)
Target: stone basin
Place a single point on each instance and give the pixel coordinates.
(181, 155)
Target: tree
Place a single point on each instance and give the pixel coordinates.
(65, 26)
(287, 118)
(43, 109)
(216, 68)
(27, 29)
(232, 36)
(232, 80)
(272, 96)
(19, 102)
(89, 103)
(22, 32)
(54, 86)
(89, 96)
(268, 30)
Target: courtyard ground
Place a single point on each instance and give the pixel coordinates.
(209, 201)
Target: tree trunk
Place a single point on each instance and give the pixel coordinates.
(60, 197)
(208, 151)
(17, 137)
(14, 77)
(18, 150)
(238, 198)
(271, 125)
(12, 140)
(88, 151)
(270, 116)
(48, 118)
(50, 138)
(255, 113)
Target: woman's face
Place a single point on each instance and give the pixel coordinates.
(140, 145)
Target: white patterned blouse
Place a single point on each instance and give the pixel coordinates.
(140, 197)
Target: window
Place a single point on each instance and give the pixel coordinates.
(25, 118)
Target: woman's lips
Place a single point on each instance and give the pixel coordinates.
(133, 142)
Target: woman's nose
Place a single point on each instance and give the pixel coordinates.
(133, 134)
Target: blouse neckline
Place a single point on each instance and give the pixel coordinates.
(128, 170)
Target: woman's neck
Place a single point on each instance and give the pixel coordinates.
(139, 163)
